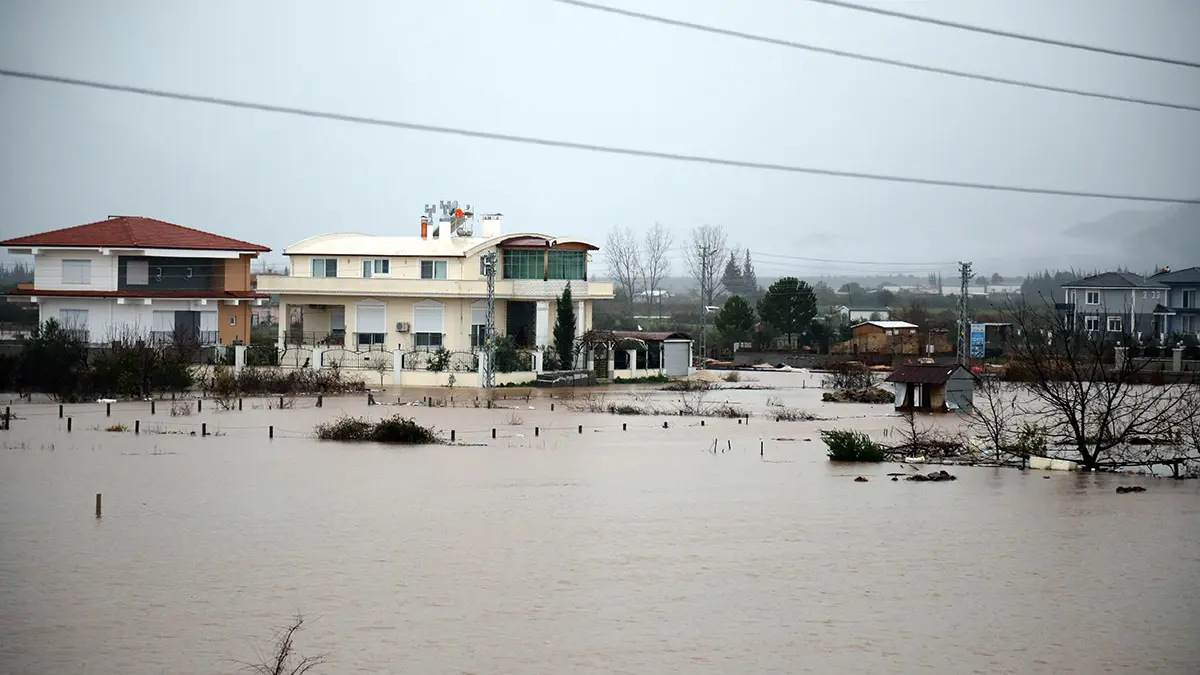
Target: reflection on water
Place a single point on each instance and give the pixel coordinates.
(601, 552)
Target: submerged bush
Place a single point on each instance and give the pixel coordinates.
(852, 446)
(394, 429)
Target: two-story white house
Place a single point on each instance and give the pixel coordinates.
(129, 275)
(1115, 302)
(420, 293)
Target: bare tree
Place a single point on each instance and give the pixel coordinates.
(994, 414)
(283, 659)
(703, 255)
(624, 262)
(655, 263)
(1089, 392)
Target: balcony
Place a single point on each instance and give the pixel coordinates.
(506, 289)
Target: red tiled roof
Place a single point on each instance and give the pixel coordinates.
(203, 293)
(134, 232)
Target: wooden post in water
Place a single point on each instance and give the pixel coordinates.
(137, 426)
(108, 410)
(68, 425)
(535, 431)
(760, 447)
(623, 425)
(701, 422)
(493, 432)
(452, 434)
(551, 407)
(281, 401)
(581, 428)
(271, 431)
(203, 429)
(320, 400)
(60, 411)
(239, 404)
(199, 405)
(7, 417)
(97, 504)
(151, 407)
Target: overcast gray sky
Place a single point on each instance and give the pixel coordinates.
(539, 68)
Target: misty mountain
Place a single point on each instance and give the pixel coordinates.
(1139, 240)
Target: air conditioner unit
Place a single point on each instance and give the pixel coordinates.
(403, 327)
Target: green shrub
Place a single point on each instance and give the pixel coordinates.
(852, 446)
(395, 430)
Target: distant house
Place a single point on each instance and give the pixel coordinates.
(1115, 302)
(928, 387)
(1179, 311)
(881, 339)
(129, 274)
(857, 314)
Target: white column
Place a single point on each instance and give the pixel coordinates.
(315, 359)
(1177, 359)
(537, 361)
(580, 328)
(612, 361)
(542, 326)
(397, 365)
(283, 325)
(239, 358)
(632, 362)
(482, 369)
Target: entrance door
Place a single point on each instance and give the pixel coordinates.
(187, 326)
(520, 323)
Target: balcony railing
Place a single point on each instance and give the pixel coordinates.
(166, 337)
(315, 338)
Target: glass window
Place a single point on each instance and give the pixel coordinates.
(1092, 298)
(324, 267)
(433, 269)
(367, 267)
(524, 264)
(428, 323)
(137, 272)
(373, 267)
(1091, 323)
(382, 266)
(77, 271)
(478, 326)
(73, 319)
(1114, 324)
(567, 264)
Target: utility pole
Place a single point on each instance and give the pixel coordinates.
(705, 301)
(489, 329)
(964, 321)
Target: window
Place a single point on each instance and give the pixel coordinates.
(73, 319)
(567, 265)
(433, 269)
(478, 325)
(371, 323)
(137, 272)
(324, 267)
(1188, 299)
(1092, 298)
(427, 324)
(372, 267)
(524, 264)
(77, 271)
(1114, 324)
(1091, 323)
(233, 321)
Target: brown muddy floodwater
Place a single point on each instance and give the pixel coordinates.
(610, 551)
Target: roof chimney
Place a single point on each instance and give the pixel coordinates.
(491, 225)
(424, 227)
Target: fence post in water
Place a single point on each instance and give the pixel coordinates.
(271, 431)
(68, 425)
(151, 407)
(623, 426)
(239, 404)
(493, 432)
(281, 401)
(7, 417)
(535, 431)
(551, 407)
(108, 410)
(701, 422)
(760, 447)
(581, 428)
(320, 400)
(60, 411)
(199, 404)
(97, 504)
(452, 434)
(137, 426)
(203, 429)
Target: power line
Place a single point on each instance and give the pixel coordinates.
(875, 59)
(571, 145)
(1007, 34)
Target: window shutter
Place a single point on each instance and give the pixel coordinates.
(371, 318)
(427, 317)
(137, 273)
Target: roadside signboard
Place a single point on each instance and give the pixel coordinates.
(978, 333)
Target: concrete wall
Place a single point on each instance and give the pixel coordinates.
(47, 271)
(109, 319)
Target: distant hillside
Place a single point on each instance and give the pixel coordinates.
(1141, 240)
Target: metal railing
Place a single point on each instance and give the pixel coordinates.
(315, 338)
(439, 360)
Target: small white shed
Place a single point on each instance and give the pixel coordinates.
(677, 356)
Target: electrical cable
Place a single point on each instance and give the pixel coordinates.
(590, 147)
(875, 59)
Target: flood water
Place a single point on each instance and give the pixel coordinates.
(610, 551)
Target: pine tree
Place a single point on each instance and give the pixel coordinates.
(732, 278)
(564, 329)
(749, 279)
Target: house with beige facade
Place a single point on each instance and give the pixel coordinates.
(354, 297)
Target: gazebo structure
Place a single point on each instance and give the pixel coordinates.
(627, 354)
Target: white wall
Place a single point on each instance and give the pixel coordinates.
(107, 319)
(47, 271)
